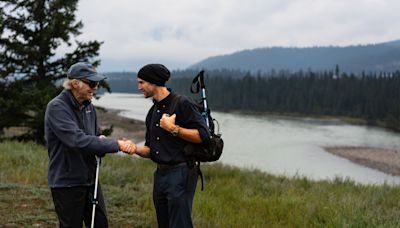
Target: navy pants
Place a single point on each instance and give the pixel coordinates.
(172, 199)
(74, 206)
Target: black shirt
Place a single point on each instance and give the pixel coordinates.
(164, 147)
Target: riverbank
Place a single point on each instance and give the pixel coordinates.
(123, 127)
(339, 119)
(385, 160)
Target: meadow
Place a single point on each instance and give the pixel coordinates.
(232, 197)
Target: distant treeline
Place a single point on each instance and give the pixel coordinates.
(374, 98)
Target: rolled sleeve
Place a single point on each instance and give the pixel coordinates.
(194, 120)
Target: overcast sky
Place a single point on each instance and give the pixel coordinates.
(179, 33)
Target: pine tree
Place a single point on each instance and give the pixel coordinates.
(31, 31)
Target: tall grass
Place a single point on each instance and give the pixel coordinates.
(23, 163)
(232, 197)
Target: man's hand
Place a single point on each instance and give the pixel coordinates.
(127, 146)
(167, 122)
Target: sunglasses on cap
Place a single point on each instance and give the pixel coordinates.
(91, 84)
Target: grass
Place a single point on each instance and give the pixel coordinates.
(232, 197)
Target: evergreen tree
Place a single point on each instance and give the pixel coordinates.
(374, 98)
(31, 31)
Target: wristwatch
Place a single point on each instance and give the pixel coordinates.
(175, 131)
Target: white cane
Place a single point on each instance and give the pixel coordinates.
(95, 191)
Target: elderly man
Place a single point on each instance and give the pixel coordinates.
(73, 140)
(166, 136)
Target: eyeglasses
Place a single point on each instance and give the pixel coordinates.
(91, 84)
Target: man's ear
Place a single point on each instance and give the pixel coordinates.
(75, 84)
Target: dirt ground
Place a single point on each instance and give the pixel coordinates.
(122, 127)
(385, 160)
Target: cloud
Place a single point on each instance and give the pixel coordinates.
(186, 31)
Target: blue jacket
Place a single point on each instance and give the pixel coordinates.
(72, 142)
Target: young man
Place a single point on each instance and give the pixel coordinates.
(166, 137)
(73, 140)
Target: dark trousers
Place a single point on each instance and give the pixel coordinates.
(74, 206)
(172, 199)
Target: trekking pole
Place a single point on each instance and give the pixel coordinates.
(98, 161)
(199, 82)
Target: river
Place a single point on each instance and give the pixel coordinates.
(283, 145)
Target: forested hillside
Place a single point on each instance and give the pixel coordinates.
(352, 59)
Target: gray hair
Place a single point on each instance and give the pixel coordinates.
(67, 83)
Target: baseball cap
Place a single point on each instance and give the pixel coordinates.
(83, 70)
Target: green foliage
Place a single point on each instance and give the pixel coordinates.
(30, 33)
(232, 197)
(108, 131)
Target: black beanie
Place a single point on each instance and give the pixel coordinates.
(156, 74)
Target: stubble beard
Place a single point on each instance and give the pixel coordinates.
(148, 94)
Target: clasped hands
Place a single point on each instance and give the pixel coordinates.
(127, 146)
(124, 145)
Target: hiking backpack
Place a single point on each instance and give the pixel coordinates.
(196, 153)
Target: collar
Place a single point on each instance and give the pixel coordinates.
(72, 100)
(166, 101)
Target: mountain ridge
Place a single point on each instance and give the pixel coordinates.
(352, 59)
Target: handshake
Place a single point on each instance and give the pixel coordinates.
(127, 146)
(124, 145)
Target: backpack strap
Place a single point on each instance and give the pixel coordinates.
(201, 175)
(194, 167)
(174, 104)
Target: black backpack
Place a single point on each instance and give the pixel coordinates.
(196, 153)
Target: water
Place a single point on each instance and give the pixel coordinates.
(282, 145)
